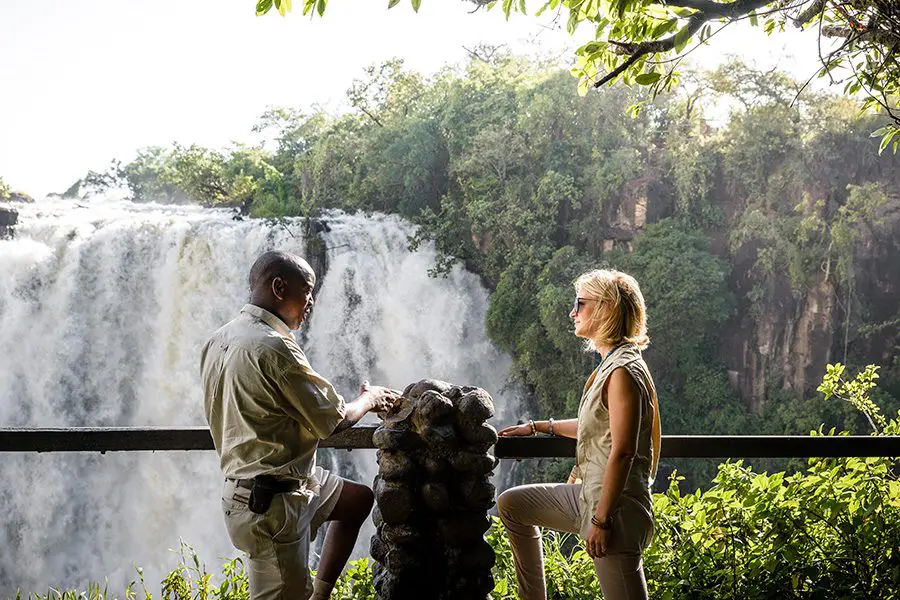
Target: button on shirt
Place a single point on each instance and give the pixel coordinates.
(267, 408)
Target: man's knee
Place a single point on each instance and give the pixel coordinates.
(366, 500)
(355, 503)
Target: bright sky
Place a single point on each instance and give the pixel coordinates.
(87, 81)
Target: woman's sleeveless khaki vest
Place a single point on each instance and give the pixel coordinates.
(633, 513)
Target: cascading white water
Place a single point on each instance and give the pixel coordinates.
(103, 310)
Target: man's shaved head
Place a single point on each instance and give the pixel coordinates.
(279, 264)
(282, 283)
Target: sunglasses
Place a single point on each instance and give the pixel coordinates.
(579, 302)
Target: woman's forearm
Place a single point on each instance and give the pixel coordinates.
(563, 428)
(613, 483)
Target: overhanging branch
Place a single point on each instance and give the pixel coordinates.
(707, 11)
(719, 10)
(810, 13)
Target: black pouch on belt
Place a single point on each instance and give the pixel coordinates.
(263, 491)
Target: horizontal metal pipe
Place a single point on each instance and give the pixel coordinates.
(130, 439)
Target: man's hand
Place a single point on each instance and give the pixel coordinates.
(379, 399)
(371, 398)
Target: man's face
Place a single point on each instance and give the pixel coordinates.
(295, 294)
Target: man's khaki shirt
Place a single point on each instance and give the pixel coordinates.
(267, 408)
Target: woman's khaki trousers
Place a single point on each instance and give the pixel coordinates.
(525, 508)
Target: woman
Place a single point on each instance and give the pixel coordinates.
(607, 500)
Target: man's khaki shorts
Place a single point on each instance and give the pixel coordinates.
(278, 542)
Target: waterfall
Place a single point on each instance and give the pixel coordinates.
(103, 310)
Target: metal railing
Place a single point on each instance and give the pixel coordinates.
(130, 439)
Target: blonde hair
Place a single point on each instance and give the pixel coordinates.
(623, 315)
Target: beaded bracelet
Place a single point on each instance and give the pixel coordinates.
(533, 427)
(550, 422)
(607, 524)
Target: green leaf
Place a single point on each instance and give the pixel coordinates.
(681, 39)
(583, 86)
(393, 3)
(320, 7)
(664, 28)
(877, 133)
(416, 4)
(647, 78)
(262, 7)
(572, 23)
(887, 139)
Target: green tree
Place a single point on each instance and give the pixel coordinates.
(639, 41)
(688, 303)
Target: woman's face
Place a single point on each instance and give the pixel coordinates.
(582, 313)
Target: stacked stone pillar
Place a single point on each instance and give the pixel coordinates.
(432, 494)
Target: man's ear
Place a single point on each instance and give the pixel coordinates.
(278, 287)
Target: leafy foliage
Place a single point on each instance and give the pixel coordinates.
(642, 42)
(525, 183)
(5, 190)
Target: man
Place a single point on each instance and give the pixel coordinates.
(267, 410)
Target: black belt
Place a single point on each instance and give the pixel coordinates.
(277, 486)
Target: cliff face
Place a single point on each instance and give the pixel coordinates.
(784, 345)
(785, 337)
(781, 337)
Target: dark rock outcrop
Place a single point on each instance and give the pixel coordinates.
(8, 219)
(20, 197)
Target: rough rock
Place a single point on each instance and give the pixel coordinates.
(8, 219)
(432, 493)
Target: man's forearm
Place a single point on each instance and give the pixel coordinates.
(354, 412)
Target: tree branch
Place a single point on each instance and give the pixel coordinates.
(810, 13)
(710, 10)
(884, 38)
(730, 10)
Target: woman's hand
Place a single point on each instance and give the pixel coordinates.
(515, 430)
(597, 542)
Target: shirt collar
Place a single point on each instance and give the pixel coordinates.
(267, 318)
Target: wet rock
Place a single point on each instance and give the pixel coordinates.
(8, 219)
(390, 438)
(20, 197)
(414, 390)
(396, 465)
(482, 434)
(477, 463)
(395, 501)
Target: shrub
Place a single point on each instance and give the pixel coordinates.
(831, 531)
